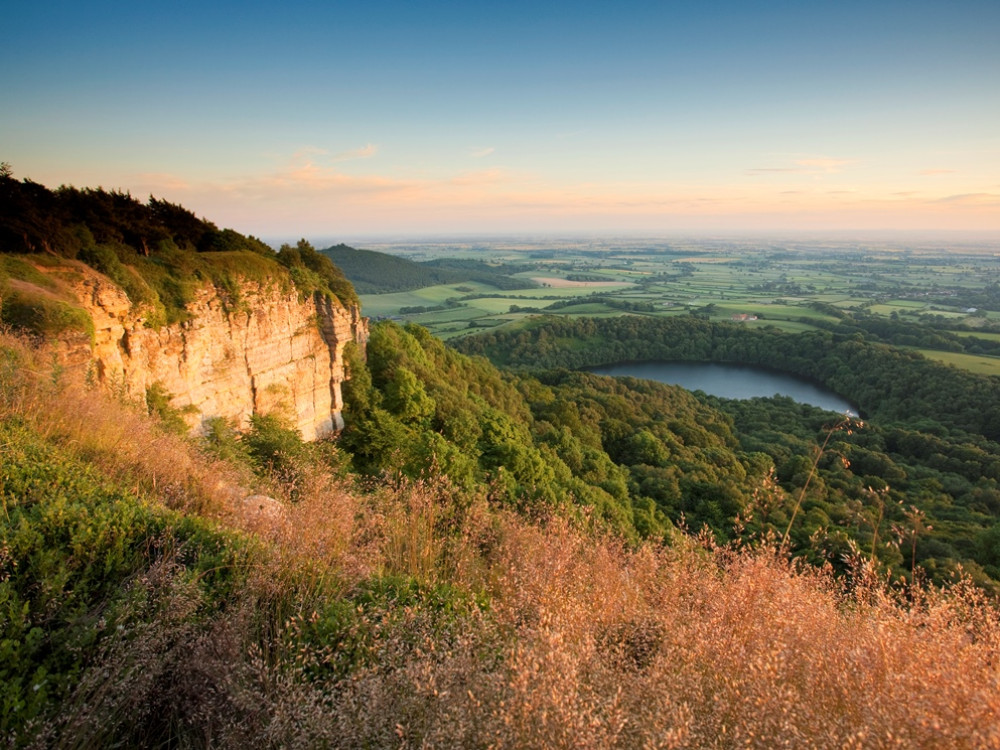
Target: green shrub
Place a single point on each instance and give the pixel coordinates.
(158, 404)
(221, 439)
(70, 542)
(276, 448)
(313, 272)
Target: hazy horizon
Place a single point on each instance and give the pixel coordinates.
(434, 119)
(985, 243)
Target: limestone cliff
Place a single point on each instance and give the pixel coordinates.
(272, 352)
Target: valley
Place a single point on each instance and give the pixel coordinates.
(234, 508)
(793, 286)
(509, 376)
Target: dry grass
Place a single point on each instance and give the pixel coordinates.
(593, 645)
(116, 437)
(582, 640)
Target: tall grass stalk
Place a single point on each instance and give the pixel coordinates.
(845, 422)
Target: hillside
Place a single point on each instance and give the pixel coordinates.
(152, 595)
(918, 487)
(378, 273)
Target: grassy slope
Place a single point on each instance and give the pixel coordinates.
(145, 604)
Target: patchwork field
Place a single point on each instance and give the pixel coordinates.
(795, 287)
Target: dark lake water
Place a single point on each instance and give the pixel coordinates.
(732, 381)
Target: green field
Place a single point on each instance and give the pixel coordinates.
(978, 364)
(981, 335)
(900, 307)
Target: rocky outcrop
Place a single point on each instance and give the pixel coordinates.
(272, 353)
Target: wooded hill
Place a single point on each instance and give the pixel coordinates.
(379, 273)
(924, 470)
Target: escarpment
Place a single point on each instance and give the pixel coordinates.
(271, 351)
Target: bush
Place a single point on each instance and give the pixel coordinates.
(172, 418)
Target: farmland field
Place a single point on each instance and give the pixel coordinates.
(982, 365)
(796, 286)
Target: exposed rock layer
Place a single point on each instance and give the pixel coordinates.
(272, 353)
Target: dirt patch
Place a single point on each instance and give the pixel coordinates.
(557, 283)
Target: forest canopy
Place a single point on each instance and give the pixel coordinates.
(924, 470)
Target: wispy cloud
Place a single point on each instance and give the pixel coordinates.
(479, 153)
(311, 191)
(824, 164)
(364, 152)
(310, 178)
(972, 199)
(810, 165)
(306, 152)
(479, 177)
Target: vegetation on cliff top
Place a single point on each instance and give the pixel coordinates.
(158, 252)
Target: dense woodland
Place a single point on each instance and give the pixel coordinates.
(924, 470)
(887, 383)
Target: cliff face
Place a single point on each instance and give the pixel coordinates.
(273, 353)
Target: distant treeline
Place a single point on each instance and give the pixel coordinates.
(380, 273)
(902, 333)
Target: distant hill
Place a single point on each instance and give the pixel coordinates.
(372, 272)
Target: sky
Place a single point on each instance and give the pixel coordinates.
(409, 119)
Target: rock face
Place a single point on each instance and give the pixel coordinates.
(274, 354)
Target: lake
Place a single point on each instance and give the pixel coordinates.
(732, 381)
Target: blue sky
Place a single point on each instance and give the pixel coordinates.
(376, 118)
